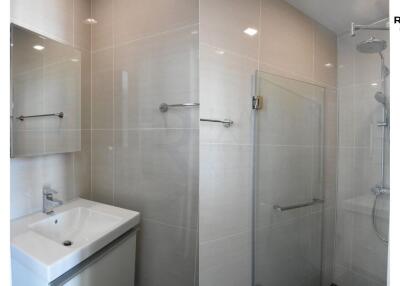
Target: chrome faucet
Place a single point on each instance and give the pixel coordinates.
(49, 202)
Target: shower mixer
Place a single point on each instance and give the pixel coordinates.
(377, 46)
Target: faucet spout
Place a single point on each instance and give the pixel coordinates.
(49, 202)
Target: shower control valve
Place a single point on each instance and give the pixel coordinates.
(380, 190)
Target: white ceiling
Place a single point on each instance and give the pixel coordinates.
(337, 15)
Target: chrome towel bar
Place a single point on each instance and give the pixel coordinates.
(164, 107)
(59, 114)
(226, 122)
(296, 206)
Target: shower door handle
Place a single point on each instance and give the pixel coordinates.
(297, 206)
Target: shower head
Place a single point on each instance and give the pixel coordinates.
(380, 97)
(372, 46)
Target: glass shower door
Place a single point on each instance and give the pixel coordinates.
(288, 183)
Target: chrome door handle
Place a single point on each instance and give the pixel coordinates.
(164, 107)
(296, 206)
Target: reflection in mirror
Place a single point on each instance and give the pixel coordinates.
(46, 95)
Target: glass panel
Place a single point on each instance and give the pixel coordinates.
(288, 182)
(361, 250)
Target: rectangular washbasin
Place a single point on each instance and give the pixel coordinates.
(51, 245)
(76, 226)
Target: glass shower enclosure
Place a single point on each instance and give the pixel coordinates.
(288, 182)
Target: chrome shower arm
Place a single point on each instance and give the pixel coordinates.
(355, 28)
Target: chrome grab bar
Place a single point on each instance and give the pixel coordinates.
(226, 122)
(59, 114)
(296, 206)
(164, 107)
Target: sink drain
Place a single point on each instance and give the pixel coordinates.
(67, 243)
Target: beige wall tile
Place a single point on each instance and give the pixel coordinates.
(330, 119)
(155, 70)
(103, 31)
(225, 90)
(86, 90)
(103, 166)
(139, 18)
(325, 70)
(28, 175)
(82, 31)
(158, 243)
(157, 174)
(346, 60)
(151, 49)
(226, 261)
(225, 196)
(103, 80)
(82, 166)
(222, 24)
(287, 38)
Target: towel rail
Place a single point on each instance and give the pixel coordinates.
(164, 107)
(23, 117)
(226, 122)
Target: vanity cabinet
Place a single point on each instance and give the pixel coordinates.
(112, 265)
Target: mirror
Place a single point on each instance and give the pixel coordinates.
(45, 96)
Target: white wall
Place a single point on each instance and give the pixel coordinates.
(68, 173)
(289, 44)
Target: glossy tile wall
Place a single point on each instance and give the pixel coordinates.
(361, 258)
(287, 43)
(146, 53)
(68, 173)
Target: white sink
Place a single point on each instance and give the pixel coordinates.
(78, 225)
(40, 242)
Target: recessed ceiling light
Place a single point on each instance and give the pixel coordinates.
(38, 47)
(90, 21)
(250, 31)
(12, 45)
(374, 84)
(220, 52)
(329, 65)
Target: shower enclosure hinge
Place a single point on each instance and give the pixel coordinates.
(257, 102)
